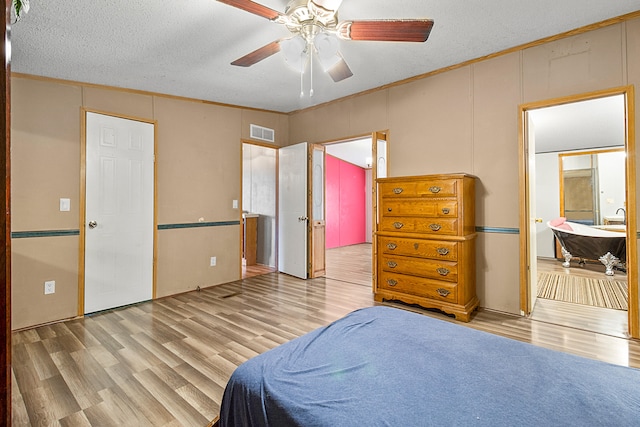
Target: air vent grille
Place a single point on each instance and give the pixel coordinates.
(262, 133)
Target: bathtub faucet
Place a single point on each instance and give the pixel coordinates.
(624, 215)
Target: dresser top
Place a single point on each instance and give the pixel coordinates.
(427, 177)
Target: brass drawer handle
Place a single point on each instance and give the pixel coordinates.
(443, 251)
(398, 190)
(435, 189)
(398, 225)
(392, 282)
(392, 264)
(389, 209)
(443, 271)
(435, 227)
(442, 292)
(391, 246)
(446, 211)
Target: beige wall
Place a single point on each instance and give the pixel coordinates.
(466, 120)
(198, 152)
(463, 120)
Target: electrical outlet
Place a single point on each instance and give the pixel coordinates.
(50, 287)
(213, 261)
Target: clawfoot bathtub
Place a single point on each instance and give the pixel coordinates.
(585, 242)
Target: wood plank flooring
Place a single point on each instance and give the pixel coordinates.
(350, 264)
(166, 362)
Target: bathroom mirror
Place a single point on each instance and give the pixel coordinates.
(592, 186)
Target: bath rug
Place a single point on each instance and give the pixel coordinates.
(606, 293)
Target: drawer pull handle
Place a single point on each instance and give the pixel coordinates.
(389, 209)
(435, 227)
(398, 190)
(392, 282)
(391, 246)
(392, 264)
(443, 271)
(435, 189)
(446, 211)
(443, 251)
(442, 292)
(398, 225)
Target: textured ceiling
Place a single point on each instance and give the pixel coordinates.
(185, 47)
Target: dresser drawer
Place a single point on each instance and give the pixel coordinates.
(418, 248)
(433, 269)
(435, 226)
(418, 286)
(419, 207)
(427, 188)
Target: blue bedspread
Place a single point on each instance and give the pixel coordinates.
(383, 366)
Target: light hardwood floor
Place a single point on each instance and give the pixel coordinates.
(350, 264)
(166, 362)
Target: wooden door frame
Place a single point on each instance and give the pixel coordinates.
(316, 241)
(240, 204)
(374, 190)
(83, 199)
(5, 219)
(630, 178)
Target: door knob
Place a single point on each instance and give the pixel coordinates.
(303, 218)
(93, 224)
(539, 220)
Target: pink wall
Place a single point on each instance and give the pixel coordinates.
(345, 197)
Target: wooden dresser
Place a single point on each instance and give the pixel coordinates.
(426, 242)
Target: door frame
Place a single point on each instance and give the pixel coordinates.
(316, 228)
(241, 205)
(630, 178)
(375, 136)
(83, 191)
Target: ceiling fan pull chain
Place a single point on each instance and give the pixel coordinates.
(301, 82)
(310, 70)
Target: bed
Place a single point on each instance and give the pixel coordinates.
(390, 367)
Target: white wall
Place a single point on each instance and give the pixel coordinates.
(611, 172)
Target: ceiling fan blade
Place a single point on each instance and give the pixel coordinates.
(258, 54)
(404, 30)
(253, 7)
(340, 71)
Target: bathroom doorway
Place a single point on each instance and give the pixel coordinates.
(564, 147)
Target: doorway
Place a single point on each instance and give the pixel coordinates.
(118, 229)
(581, 130)
(259, 196)
(353, 166)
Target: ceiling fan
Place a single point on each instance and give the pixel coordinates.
(315, 28)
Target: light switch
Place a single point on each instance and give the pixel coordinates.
(65, 205)
(235, 204)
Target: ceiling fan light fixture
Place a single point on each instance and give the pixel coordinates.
(327, 49)
(294, 53)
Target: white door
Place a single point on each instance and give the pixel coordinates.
(119, 212)
(292, 210)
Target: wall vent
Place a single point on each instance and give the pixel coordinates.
(262, 133)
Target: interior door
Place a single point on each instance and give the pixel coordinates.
(292, 210)
(378, 170)
(317, 220)
(119, 212)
